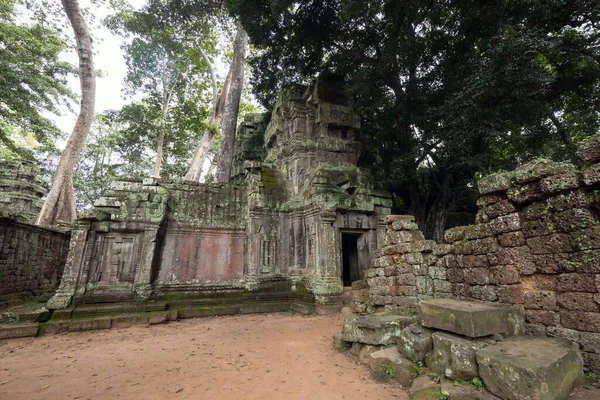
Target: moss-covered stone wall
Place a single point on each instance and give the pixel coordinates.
(31, 262)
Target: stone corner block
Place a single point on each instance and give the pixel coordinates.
(530, 368)
(375, 329)
(465, 318)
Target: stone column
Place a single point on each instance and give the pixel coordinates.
(70, 278)
(143, 273)
(329, 257)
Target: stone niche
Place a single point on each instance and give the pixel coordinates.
(298, 221)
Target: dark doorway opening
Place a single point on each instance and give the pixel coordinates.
(350, 270)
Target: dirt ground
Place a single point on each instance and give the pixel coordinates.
(267, 356)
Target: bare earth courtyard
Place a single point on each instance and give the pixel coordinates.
(267, 356)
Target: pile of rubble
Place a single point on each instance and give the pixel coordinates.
(463, 350)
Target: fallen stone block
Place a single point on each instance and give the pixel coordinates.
(415, 342)
(11, 331)
(339, 343)
(465, 318)
(465, 392)
(454, 356)
(158, 318)
(423, 388)
(530, 368)
(375, 329)
(403, 370)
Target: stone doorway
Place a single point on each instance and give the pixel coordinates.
(351, 270)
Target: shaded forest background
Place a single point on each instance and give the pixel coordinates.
(447, 91)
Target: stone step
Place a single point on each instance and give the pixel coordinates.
(11, 331)
(466, 318)
(531, 368)
(375, 329)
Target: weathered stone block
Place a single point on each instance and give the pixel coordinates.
(554, 243)
(484, 292)
(375, 329)
(511, 294)
(404, 370)
(578, 301)
(454, 356)
(526, 193)
(404, 225)
(575, 282)
(505, 223)
(455, 275)
(540, 300)
(477, 276)
(530, 368)
(500, 208)
(465, 318)
(542, 317)
(415, 342)
(495, 182)
(580, 320)
(590, 342)
(454, 234)
(512, 239)
(589, 149)
(504, 275)
(457, 391)
(591, 176)
(442, 286)
(560, 183)
(11, 331)
(540, 168)
(158, 318)
(423, 388)
(564, 333)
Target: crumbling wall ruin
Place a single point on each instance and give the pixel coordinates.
(31, 258)
(535, 244)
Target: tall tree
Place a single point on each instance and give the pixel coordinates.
(164, 65)
(446, 89)
(232, 106)
(60, 202)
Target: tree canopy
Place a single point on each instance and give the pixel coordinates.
(33, 80)
(446, 89)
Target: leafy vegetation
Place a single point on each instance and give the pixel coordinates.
(33, 82)
(447, 90)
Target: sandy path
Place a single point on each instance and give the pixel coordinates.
(268, 356)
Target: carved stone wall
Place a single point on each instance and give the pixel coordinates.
(272, 235)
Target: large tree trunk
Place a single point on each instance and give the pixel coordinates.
(232, 107)
(214, 122)
(60, 203)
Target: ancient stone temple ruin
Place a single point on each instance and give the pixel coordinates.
(299, 221)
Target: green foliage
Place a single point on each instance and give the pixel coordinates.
(384, 373)
(475, 383)
(446, 89)
(590, 376)
(32, 83)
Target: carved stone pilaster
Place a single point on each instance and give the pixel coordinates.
(71, 274)
(143, 275)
